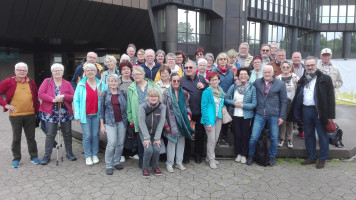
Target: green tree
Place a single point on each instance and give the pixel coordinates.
(186, 33)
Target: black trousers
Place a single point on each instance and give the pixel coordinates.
(51, 132)
(241, 135)
(198, 142)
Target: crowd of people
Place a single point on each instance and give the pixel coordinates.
(158, 104)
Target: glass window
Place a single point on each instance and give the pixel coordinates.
(332, 40)
(353, 45)
(161, 21)
(253, 36)
(279, 35)
(351, 14)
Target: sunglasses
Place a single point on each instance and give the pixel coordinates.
(265, 50)
(176, 81)
(188, 67)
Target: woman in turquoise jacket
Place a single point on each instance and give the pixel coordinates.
(212, 109)
(86, 111)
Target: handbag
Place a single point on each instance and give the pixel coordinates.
(226, 118)
(331, 127)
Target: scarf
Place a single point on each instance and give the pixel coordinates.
(218, 93)
(241, 89)
(223, 70)
(175, 70)
(309, 77)
(180, 113)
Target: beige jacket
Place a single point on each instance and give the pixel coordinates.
(333, 73)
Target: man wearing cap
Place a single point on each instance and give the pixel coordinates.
(328, 68)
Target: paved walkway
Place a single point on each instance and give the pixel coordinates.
(74, 180)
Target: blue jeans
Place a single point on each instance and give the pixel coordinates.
(312, 122)
(90, 136)
(150, 155)
(116, 138)
(258, 126)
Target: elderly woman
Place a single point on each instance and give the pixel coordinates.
(232, 54)
(125, 57)
(140, 56)
(86, 111)
(226, 80)
(257, 71)
(136, 95)
(164, 82)
(212, 108)
(160, 55)
(180, 59)
(125, 81)
(151, 119)
(202, 64)
(113, 122)
(178, 118)
(209, 57)
(110, 63)
(171, 62)
(243, 99)
(57, 96)
(290, 79)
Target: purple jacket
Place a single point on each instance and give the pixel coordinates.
(47, 94)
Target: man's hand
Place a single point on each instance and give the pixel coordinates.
(200, 85)
(280, 121)
(11, 108)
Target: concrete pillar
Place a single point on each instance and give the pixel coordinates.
(294, 41)
(346, 45)
(171, 28)
(317, 44)
(264, 32)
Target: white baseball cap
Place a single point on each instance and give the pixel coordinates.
(326, 50)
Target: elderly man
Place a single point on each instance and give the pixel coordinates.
(314, 103)
(328, 68)
(195, 86)
(271, 108)
(265, 54)
(276, 64)
(22, 102)
(131, 51)
(243, 57)
(79, 72)
(274, 47)
(150, 66)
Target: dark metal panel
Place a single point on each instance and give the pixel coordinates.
(98, 23)
(64, 27)
(5, 13)
(29, 21)
(55, 17)
(107, 27)
(87, 25)
(16, 18)
(42, 18)
(76, 21)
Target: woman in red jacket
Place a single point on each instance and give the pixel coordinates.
(57, 96)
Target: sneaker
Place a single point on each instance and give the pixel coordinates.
(157, 171)
(250, 160)
(181, 167)
(109, 171)
(238, 158)
(320, 164)
(290, 144)
(243, 160)
(36, 161)
(45, 159)
(308, 162)
(280, 143)
(212, 164)
(145, 173)
(216, 162)
(15, 164)
(95, 159)
(301, 135)
(135, 157)
(123, 159)
(71, 156)
(119, 167)
(89, 161)
(271, 162)
(170, 168)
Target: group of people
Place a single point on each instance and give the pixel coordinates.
(156, 103)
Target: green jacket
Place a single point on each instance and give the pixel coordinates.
(133, 104)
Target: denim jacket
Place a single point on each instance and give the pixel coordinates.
(107, 110)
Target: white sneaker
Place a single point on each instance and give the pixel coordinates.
(135, 157)
(243, 160)
(238, 158)
(212, 164)
(280, 143)
(170, 168)
(122, 159)
(290, 144)
(89, 161)
(181, 167)
(95, 159)
(216, 162)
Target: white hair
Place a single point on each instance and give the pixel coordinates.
(153, 92)
(244, 43)
(190, 61)
(171, 55)
(114, 76)
(149, 50)
(268, 66)
(57, 66)
(202, 60)
(90, 66)
(124, 57)
(110, 57)
(140, 69)
(21, 64)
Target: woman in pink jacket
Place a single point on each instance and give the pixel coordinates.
(57, 96)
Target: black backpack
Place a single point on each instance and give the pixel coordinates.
(261, 155)
(335, 138)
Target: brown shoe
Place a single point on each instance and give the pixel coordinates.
(308, 162)
(320, 164)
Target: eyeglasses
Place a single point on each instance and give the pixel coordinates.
(56, 71)
(199, 54)
(214, 80)
(189, 67)
(90, 70)
(91, 57)
(21, 70)
(312, 65)
(136, 74)
(222, 58)
(264, 50)
(176, 81)
(287, 67)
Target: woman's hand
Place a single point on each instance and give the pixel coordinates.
(78, 120)
(146, 143)
(103, 129)
(99, 93)
(224, 110)
(158, 142)
(209, 128)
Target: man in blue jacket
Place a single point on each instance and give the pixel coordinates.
(150, 66)
(271, 108)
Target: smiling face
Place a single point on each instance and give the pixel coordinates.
(125, 71)
(141, 56)
(21, 72)
(296, 58)
(137, 75)
(153, 100)
(199, 55)
(109, 64)
(179, 59)
(265, 52)
(243, 50)
(325, 58)
(171, 62)
(201, 67)
(149, 57)
(214, 82)
(281, 56)
(113, 83)
(164, 75)
(175, 82)
(160, 58)
(310, 66)
(257, 64)
(268, 73)
(130, 52)
(92, 57)
(57, 73)
(222, 61)
(190, 69)
(243, 76)
(286, 68)
(210, 61)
